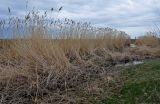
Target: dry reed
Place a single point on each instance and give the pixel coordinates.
(47, 61)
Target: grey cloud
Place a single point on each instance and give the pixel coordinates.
(132, 16)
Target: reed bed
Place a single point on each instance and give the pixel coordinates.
(47, 61)
(149, 39)
(43, 40)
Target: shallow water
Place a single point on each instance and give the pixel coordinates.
(132, 45)
(137, 62)
(131, 63)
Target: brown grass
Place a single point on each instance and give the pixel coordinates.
(148, 40)
(42, 67)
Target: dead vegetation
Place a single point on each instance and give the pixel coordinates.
(44, 66)
(150, 39)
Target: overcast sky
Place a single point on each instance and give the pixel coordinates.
(132, 16)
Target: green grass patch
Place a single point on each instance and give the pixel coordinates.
(141, 85)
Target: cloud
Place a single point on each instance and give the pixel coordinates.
(133, 16)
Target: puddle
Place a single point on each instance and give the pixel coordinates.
(130, 63)
(132, 45)
(137, 62)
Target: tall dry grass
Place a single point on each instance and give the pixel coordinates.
(43, 60)
(57, 43)
(46, 61)
(150, 39)
(148, 46)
